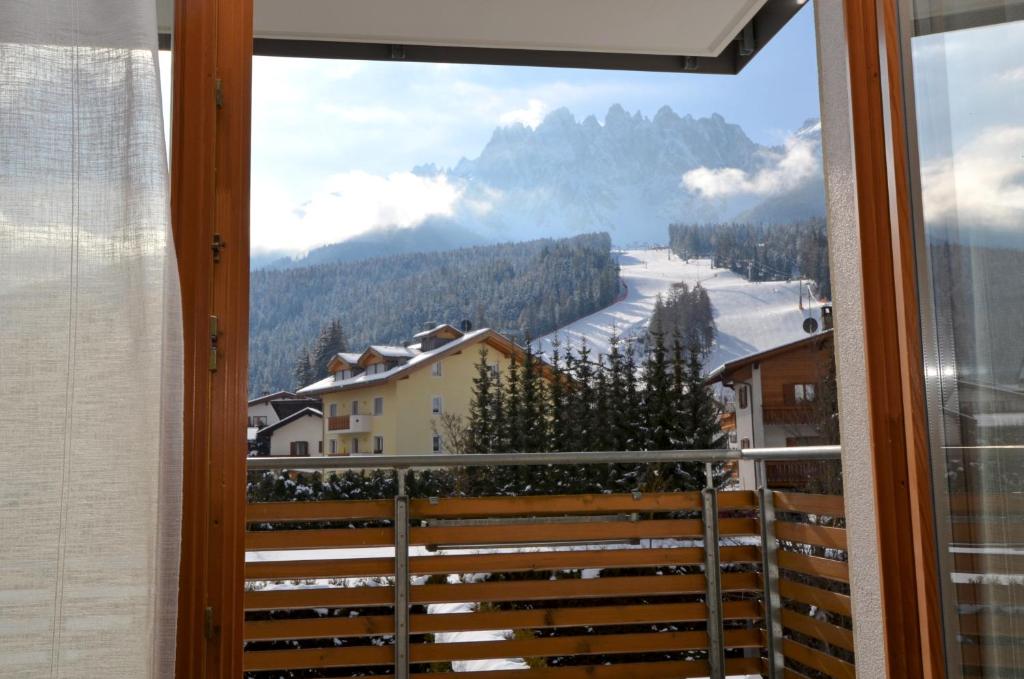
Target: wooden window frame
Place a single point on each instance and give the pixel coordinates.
(210, 151)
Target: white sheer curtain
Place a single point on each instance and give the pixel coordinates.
(90, 346)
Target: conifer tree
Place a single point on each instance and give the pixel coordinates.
(657, 397)
(583, 401)
(481, 408)
(513, 409)
(330, 343)
(558, 401)
(600, 414)
(302, 370)
(700, 408)
(532, 415)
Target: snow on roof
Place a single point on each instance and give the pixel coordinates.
(329, 384)
(316, 412)
(718, 372)
(348, 356)
(392, 351)
(436, 328)
(271, 397)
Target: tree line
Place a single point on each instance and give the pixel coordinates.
(760, 252)
(523, 289)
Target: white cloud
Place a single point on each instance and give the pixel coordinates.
(531, 116)
(346, 205)
(982, 185)
(797, 163)
(1013, 75)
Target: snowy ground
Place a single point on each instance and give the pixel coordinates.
(749, 317)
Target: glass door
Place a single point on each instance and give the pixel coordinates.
(967, 123)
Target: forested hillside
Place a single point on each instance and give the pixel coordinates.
(759, 252)
(528, 288)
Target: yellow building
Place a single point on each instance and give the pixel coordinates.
(390, 399)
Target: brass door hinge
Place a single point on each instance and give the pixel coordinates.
(214, 332)
(216, 245)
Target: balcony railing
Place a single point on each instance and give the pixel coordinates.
(710, 582)
(350, 424)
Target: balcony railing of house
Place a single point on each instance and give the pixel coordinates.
(710, 582)
(350, 423)
(788, 414)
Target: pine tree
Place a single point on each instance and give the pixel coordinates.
(657, 397)
(481, 408)
(302, 370)
(558, 401)
(513, 409)
(533, 413)
(681, 427)
(330, 343)
(700, 408)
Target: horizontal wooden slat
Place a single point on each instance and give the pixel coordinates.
(993, 624)
(807, 503)
(318, 539)
(326, 597)
(519, 590)
(652, 670)
(557, 505)
(320, 511)
(593, 644)
(1007, 593)
(814, 565)
(832, 601)
(1003, 564)
(821, 536)
(319, 568)
(591, 616)
(816, 660)
(582, 531)
(529, 590)
(999, 531)
(993, 657)
(818, 629)
(988, 503)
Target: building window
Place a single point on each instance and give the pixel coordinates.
(742, 396)
(435, 369)
(258, 421)
(355, 407)
(320, 447)
(334, 446)
(744, 443)
(355, 446)
(435, 443)
(334, 410)
(732, 437)
(495, 370)
(435, 405)
(378, 405)
(796, 394)
(378, 445)
(299, 449)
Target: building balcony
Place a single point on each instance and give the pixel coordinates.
(788, 414)
(710, 582)
(350, 424)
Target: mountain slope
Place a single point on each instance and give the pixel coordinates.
(524, 288)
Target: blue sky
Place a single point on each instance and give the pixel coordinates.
(326, 129)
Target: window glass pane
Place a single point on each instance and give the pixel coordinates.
(968, 72)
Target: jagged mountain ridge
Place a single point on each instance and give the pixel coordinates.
(623, 176)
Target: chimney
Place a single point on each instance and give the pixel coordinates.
(826, 317)
(465, 325)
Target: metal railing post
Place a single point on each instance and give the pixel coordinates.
(713, 576)
(401, 525)
(770, 576)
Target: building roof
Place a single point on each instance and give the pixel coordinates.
(417, 361)
(272, 397)
(266, 431)
(389, 351)
(287, 406)
(721, 372)
(436, 329)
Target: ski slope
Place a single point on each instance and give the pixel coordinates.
(749, 317)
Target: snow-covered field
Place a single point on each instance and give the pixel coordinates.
(749, 317)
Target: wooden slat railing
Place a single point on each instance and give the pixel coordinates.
(816, 613)
(579, 586)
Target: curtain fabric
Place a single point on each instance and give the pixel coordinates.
(90, 346)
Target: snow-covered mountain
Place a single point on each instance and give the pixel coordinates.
(629, 175)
